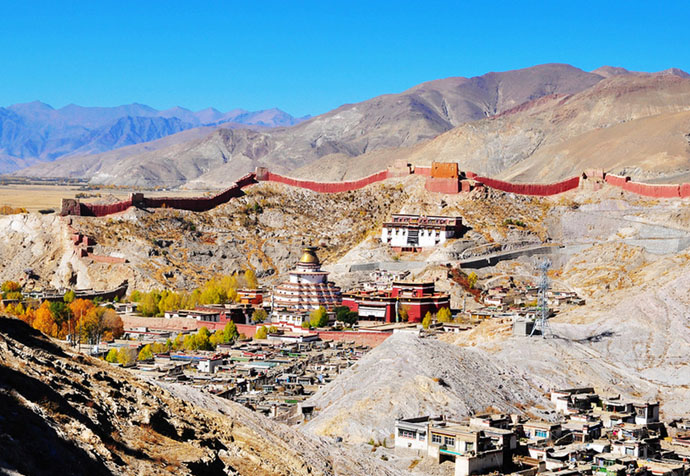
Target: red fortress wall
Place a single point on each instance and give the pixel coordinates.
(196, 204)
(531, 188)
(326, 187)
(443, 183)
(650, 190)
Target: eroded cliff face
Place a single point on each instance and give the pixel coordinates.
(71, 414)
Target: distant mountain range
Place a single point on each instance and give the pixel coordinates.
(538, 123)
(35, 132)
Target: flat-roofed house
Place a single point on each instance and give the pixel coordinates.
(646, 413)
(411, 433)
(472, 450)
(541, 430)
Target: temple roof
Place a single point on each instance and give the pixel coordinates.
(309, 255)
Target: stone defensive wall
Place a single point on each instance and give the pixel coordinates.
(324, 187)
(441, 178)
(649, 190)
(542, 190)
(72, 206)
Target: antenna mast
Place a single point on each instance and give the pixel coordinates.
(541, 322)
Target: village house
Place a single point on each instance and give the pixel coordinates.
(474, 449)
(541, 430)
(210, 364)
(204, 315)
(411, 433)
(574, 400)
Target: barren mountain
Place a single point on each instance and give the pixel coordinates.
(628, 121)
(35, 132)
(385, 122)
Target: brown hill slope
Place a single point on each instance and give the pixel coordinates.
(384, 122)
(64, 413)
(626, 121)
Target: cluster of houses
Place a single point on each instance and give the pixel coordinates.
(270, 376)
(593, 436)
(501, 298)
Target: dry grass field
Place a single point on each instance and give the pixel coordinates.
(34, 197)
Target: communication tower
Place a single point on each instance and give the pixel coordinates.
(541, 322)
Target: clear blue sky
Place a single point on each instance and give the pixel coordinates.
(309, 57)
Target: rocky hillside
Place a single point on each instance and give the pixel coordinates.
(408, 376)
(381, 123)
(70, 414)
(629, 259)
(637, 123)
(264, 230)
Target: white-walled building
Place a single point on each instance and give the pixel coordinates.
(415, 231)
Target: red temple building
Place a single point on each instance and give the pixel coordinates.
(416, 298)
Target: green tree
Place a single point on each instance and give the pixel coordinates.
(126, 356)
(259, 315)
(146, 353)
(229, 332)
(426, 322)
(261, 333)
(61, 312)
(444, 315)
(112, 356)
(250, 279)
(344, 315)
(202, 339)
(319, 317)
(69, 296)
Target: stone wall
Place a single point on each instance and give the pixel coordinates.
(327, 187)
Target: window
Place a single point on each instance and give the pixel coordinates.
(449, 441)
(629, 451)
(469, 446)
(406, 433)
(540, 433)
(436, 438)
(422, 436)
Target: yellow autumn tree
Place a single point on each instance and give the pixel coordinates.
(44, 320)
